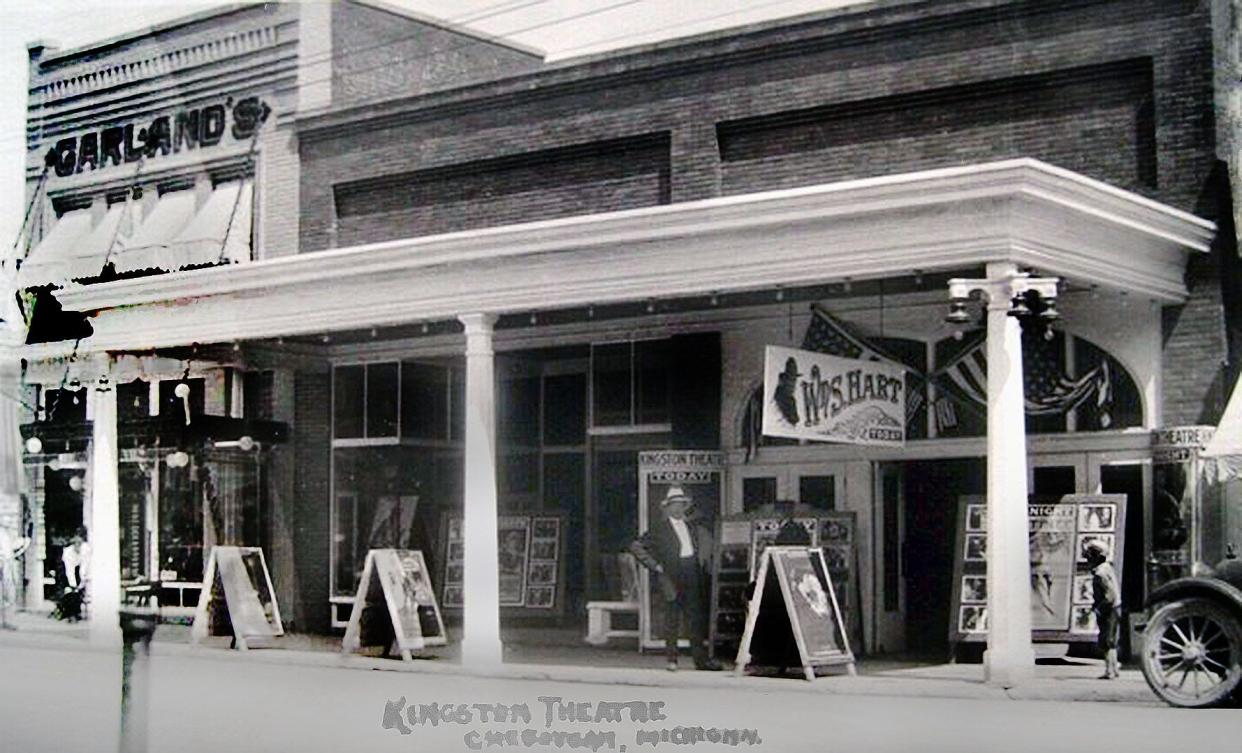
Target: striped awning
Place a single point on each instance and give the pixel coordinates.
(178, 230)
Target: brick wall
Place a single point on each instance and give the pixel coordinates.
(382, 55)
(311, 446)
(599, 177)
(1119, 90)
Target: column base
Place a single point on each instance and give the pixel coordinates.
(1009, 669)
(105, 636)
(482, 653)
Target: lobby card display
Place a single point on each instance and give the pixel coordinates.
(700, 474)
(237, 599)
(743, 538)
(395, 605)
(794, 602)
(1060, 580)
(530, 559)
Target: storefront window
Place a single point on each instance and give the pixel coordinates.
(389, 400)
(388, 497)
(181, 526)
(630, 383)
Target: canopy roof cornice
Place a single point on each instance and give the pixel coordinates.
(1024, 211)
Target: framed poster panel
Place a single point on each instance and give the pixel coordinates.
(1059, 530)
(531, 562)
(700, 474)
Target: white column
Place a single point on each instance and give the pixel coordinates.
(104, 588)
(480, 644)
(11, 471)
(1010, 658)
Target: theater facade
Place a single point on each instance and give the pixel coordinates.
(492, 296)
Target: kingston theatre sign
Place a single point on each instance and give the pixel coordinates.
(828, 398)
(186, 129)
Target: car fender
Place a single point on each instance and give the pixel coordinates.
(1215, 589)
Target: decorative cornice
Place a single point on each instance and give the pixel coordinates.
(1019, 210)
(223, 47)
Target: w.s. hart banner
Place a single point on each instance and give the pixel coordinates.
(832, 399)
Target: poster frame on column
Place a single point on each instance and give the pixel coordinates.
(702, 474)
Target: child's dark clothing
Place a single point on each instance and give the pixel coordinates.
(1106, 601)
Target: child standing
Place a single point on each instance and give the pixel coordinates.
(1106, 601)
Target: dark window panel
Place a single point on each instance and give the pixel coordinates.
(349, 401)
(564, 409)
(381, 400)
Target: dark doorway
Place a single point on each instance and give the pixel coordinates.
(614, 516)
(932, 492)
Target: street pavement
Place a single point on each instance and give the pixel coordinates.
(60, 696)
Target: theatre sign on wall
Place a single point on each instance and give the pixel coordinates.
(832, 399)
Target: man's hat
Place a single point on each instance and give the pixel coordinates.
(1096, 548)
(675, 494)
(791, 368)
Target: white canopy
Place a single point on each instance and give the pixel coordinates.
(1225, 446)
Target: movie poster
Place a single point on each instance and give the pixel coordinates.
(1052, 540)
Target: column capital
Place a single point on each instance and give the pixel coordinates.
(477, 324)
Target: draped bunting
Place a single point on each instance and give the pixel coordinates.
(1048, 390)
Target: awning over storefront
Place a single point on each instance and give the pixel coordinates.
(1225, 446)
(175, 233)
(1022, 211)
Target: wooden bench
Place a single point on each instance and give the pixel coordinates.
(599, 613)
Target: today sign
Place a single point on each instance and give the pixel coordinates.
(832, 399)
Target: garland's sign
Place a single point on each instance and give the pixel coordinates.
(828, 398)
(188, 128)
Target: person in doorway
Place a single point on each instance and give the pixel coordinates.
(1106, 601)
(677, 550)
(12, 547)
(76, 560)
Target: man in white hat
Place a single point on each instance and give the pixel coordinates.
(678, 551)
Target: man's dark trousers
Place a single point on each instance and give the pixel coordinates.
(691, 602)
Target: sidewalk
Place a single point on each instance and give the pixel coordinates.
(551, 656)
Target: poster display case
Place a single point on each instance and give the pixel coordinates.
(1060, 530)
(530, 557)
(741, 541)
(700, 474)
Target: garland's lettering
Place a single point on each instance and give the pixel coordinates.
(188, 129)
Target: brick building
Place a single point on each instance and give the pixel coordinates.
(621, 238)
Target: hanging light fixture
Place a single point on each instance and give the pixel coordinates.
(34, 446)
(178, 459)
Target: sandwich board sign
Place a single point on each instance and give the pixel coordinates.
(237, 599)
(395, 604)
(794, 594)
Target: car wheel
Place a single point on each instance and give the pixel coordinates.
(1192, 653)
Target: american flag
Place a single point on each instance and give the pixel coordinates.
(827, 334)
(1048, 390)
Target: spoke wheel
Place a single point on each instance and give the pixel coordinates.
(1192, 653)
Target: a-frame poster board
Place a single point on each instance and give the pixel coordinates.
(237, 599)
(394, 604)
(794, 593)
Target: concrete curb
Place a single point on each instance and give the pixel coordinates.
(891, 683)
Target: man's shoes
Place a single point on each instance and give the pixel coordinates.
(708, 665)
(671, 666)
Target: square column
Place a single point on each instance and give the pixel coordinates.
(104, 586)
(480, 645)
